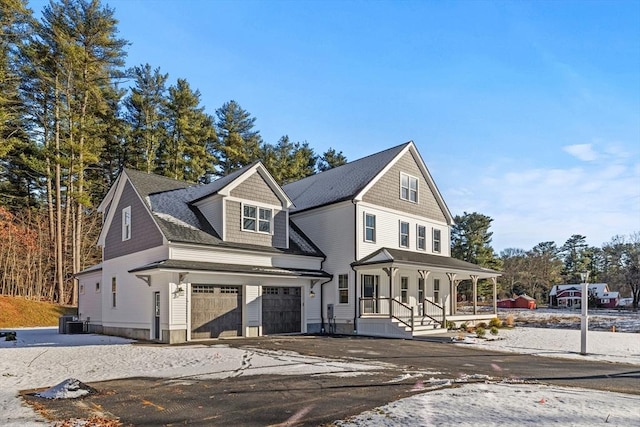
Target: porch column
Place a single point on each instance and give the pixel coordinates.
(494, 281)
(452, 292)
(391, 272)
(474, 279)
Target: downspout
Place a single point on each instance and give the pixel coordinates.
(356, 303)
(322, 328)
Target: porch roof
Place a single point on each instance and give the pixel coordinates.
(425, 261)
(213, 267)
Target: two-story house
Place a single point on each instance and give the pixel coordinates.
(360, 249)
(570, 296)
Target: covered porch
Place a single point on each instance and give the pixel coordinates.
(406, 294)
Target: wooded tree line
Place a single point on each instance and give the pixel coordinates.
(536, 270)
(71, 117)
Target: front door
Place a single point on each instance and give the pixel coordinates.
(156, 315)
(370, 293)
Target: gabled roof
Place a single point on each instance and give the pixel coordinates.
(172, 206)
(425, 260)
(340, 183)
(597, 288)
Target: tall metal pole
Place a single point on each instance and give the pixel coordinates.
(584, 320)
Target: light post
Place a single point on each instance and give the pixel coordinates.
(584, 320)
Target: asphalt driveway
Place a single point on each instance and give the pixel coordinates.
(320, 399)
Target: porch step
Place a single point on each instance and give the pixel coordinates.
(421, 327)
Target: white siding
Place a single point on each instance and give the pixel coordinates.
(388, 231)
(134, 299)
(244, 258)
(89, 301)
(253, 304)
(332, 230)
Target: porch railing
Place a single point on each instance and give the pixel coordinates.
(434, 312)
(388, 307)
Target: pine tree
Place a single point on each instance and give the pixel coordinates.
(287, 161)
(331, 159)
(144, 115)
(471, 240)
(186, 152)
(75, 57)
(237, 144)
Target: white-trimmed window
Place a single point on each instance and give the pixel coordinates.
(257, 219)
(343, 289)
(408, 188)
(420, 290)
(81, 288)
(436, 240)
(113, 292)
(404, 234)
(404, 290)
(421, 238)
(126, 223)
(436, 291)
(97, 287)
(369, 227)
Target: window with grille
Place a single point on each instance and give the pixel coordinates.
(268, 290)
(404, 290)
(408, 188)
(420, 290)
(436, 240)
(369, 227)
(343, 289)
(436, 291)
(404, 234)
(113, 292)
(421, 242)
(256, 219)
(126, 223)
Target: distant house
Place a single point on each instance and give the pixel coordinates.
(522, 301)
(567, 296)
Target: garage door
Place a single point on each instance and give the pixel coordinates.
(216, 311)
(281, 310)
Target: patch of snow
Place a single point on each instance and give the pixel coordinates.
(564, 343)
(497, 404)
(68, 389)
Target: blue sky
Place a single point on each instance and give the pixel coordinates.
(528, 112)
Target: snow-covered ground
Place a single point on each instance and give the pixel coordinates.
(43, 358)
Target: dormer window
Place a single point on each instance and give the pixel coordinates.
(409, 188)
(256, 219)
(126, 223)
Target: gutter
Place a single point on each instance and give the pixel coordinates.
(355, 273)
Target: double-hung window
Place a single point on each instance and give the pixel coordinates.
(256, 219)
(436, 240)
(404, 290)
(420, 290)
(369, 227)
(113, 292)
(404, 234)
(436, 291)
(126, 223)
(408, 188)
(343, 289)
(422, 238)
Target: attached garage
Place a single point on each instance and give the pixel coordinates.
(216, 311)
(281, 310)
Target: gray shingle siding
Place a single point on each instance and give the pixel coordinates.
(256, 189)
(144, 233)
(386, 192)
(234, 232)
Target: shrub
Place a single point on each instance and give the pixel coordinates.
(494, 330)
(451, 325)
(463, 326)
(509, 321)
(482, 325)
(495, 322)
(480, 332)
